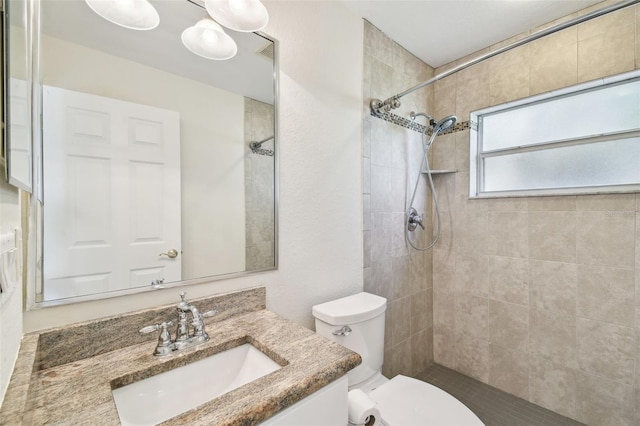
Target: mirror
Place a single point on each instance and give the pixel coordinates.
(158, 165)
(17, 99)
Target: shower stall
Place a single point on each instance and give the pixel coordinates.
(521, 294)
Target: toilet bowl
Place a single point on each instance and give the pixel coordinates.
(357, 322)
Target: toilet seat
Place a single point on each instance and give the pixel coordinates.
(404, 401)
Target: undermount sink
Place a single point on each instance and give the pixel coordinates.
(166, 395)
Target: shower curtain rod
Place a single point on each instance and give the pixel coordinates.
(380, 107)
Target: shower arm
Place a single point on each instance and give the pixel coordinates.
(379, 107)
(259, 144)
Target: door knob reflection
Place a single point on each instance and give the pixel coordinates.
(173, 253)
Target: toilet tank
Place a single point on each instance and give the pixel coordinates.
(363, 313)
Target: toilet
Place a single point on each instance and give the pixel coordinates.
(357, 322)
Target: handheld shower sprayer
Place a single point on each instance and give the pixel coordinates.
(412, 218)
(444, 124)
(438, 126)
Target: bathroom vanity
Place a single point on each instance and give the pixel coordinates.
(67, 375)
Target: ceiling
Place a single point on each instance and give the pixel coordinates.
(436, 31)
(441, 31)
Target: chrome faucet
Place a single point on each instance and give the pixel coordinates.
(184, 337)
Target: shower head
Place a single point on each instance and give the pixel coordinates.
(444, 124)
(438, 126)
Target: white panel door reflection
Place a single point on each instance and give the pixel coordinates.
(112, 195)
(19, 154)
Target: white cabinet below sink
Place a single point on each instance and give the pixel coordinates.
(326, 407)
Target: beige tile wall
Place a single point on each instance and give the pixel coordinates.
(391, 156)
(537, 296)
(259, 190)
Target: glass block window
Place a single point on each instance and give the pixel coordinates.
(581, 139)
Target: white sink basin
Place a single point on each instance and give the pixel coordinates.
(161, 397)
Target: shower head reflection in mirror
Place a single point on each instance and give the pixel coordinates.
(256, 147)
(412, 218)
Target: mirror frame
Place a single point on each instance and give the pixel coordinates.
(34, 280)
(4, 68)
(13, 179)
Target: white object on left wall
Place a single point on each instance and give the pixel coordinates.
(10, 261)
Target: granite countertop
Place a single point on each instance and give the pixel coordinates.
(78, 391)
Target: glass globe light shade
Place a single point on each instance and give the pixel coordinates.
(207, 39)
(132, 14)
(238, 15)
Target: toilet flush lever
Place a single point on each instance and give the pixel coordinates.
(344, 331)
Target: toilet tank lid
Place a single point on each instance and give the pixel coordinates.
(350, 309)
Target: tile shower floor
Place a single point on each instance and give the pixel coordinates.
(493, 406)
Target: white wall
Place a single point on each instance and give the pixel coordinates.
(320, 119)
(212, 144)
(10, 303)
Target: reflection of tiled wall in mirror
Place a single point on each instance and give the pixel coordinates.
(259, 186)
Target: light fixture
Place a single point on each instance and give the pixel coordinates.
(238, 15)
(207, 39)
(133, 14)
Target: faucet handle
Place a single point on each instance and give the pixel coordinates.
(165, 346)
(150, 328)
(199, 333)
(210, 313)
(154, 327)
